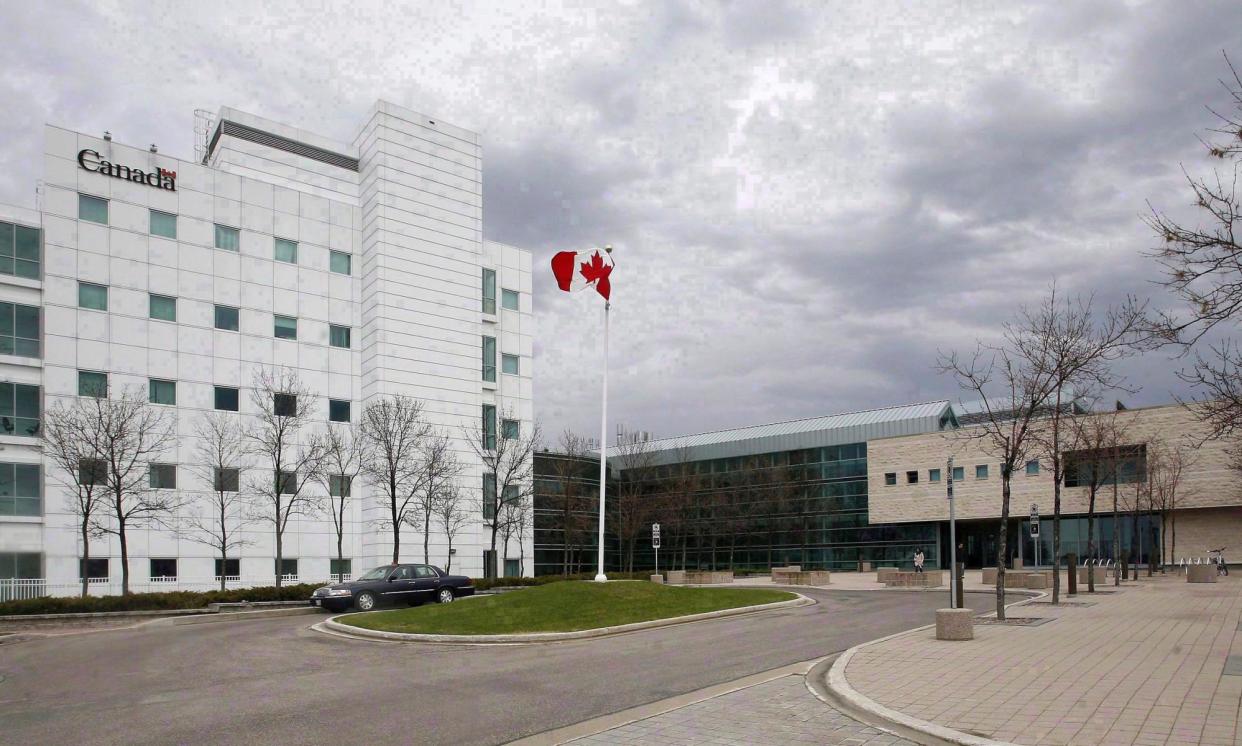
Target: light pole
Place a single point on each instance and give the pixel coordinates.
(952, 541)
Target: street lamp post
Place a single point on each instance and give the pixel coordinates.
(953, 580)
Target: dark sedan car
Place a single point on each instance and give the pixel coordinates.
(393, 584)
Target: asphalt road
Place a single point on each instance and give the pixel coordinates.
(277, 681)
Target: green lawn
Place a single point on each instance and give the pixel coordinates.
(563, 607)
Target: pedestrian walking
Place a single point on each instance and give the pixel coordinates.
(918, 560)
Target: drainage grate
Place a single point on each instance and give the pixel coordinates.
(1015, 621)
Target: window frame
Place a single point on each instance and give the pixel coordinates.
(153, 384)
(489, 368)
(284, 405)
(87, 568)
(336, 404)
(215, 317)
(1032, 463)
(504, 429)
(890, 479)
(489, 427)
(223, 477)
(912, 477)
(225, 567)
(335, 330)
(151, 568)
(933, 475)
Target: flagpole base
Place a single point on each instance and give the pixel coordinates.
(601, 578)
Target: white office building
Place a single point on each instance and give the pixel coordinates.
(360, 265)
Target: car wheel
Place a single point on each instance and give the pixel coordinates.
(445, 596)
(365, 601)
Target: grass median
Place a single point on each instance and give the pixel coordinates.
(563, 607)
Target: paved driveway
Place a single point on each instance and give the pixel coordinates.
(278, 681)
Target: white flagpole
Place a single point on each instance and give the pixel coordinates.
(600, 577)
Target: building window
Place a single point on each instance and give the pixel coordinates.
(19, 330)
(489, 359)
(509, 429)
(981, 471)
(338, 410)
(489, 427)
(340, 262)
(509, 365)
(19, 409)
(163, 569)
(286, 251)
(287, 481)
(19, 251)
(92, 472)
(912, 477)
(93, 209)
(511, 568)
(890, 478)
(959, 473)
(489, 497)
(341, 569)
(933, 475)
(288, 568)
(339, 485)
(509, 299)
(93, 568)
(489, 291)
(285, 405)
(226, 480)
(20, 490)
(338, 336)
(92, 296)
(163, 307)
(228, 238)
(226, 398)
(1032, 467)
(163, 476)
(163, 224)
(92, 383)
(162, 392)
(230, 566)
(286, 327)
(226, 318)
(21, 566)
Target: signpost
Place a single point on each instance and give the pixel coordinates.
(1035, 530)
(952, 541)
(655, 544)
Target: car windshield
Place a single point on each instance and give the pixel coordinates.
(378, 573)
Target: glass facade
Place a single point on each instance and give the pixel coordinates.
(19, 251)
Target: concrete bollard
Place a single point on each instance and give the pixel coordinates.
(955, 624)
(659, 579)
(1201, 574)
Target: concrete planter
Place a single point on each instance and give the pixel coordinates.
(803, 577)
(928, 579)
(1201, 574)
(677, 577)
(657, 579)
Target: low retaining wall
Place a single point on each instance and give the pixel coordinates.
(928, 579)
(882, 574)
(803, 577)
(1201, 574)
(713, 577)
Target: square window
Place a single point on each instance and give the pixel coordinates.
(338, 336)
(338, 410)
(92, 296)
(19, 330)
(340, 262)
(509, 364)
(1032, 467)
(93, 209)
(228, 238)
(19, 251)
(341, 569)
(489, 291)
(93, 568)
(163, 308)
(286, 327)
(92, 471)
(509, 429)
(92, 383)
(959, 473)
(288, 482)
(912, 477)
(20, 490)
(286, 251)
(288, 568)
(164, 568)
(981, 471)
(163, 224)
(511, 568)
(162, 392)
(509, 299)
(890, 478)
(226, 318)
(226, 398)
(339, 485)
(163, 476)
(226, 480)
(230, 566)
(284, 405)
(933, 475)
(489, 359)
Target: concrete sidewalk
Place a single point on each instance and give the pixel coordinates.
(1159, 662)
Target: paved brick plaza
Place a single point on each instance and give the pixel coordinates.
(1145, 665)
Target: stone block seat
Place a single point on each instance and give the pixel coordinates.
(782, 574)
(708, 577)
(910, 579)
(955, 624)
(801, 577)
(882, 574)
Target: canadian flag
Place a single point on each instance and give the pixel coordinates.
(576, 270)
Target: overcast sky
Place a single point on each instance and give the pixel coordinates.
(807, 201)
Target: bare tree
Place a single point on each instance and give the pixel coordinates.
(394, 429)
(513, 519)
(1173, 459)
(452, 514)
(1091, 464)
(289, 459)
(1005, 431)
(344, 454)
(131, 435)
(635, 460)
(71, 440)
(566, 480)
(508, 466)
(220, 456)
(439, 470)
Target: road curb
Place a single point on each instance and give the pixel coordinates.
(837, 692)
(331, 625)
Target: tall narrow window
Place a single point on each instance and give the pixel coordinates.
(163, 224)
(228, 238)
(489, 291)
(92, 383)
(286, 251)
(489, 496)
(20, 490)
(286, 327)
(162, 392)
(338, 336)
(93, 209)
(489, 427)
(340, 262)
(509, 364)
(92, 296)
(226, 318)
(163, 307)
(509, 299)
(19, 330)
(489, 359)
(19, 251)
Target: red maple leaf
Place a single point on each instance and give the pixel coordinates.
(595, 271)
